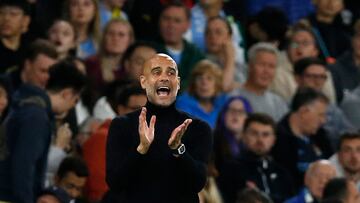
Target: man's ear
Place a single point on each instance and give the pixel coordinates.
(66, 93)
(143, 81)
(25, 23)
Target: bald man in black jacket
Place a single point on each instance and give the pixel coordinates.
(165, 160)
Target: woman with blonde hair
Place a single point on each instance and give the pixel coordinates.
(104, 67)
(204, 98)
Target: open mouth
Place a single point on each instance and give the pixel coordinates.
(163, 91)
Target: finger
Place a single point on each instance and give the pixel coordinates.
(152, 122)
(175, 133)
(187, 123)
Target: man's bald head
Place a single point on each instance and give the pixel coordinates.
(148, 64)
(317, 175)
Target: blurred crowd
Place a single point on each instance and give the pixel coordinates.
(278, 81)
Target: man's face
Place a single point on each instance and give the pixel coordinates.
(160, 80)
(134, 66)
(313, 117)
(235, 116)
(259, 138)
(217, 35)
(69, 98)
(13, 21)
(262, 69)
(72, 184)
(314, 77)
(329, 7)
(302, 44)
(317, 179)
(117, 38)
(173, 24)
(349, 155)
(135, 102)
(37, 71)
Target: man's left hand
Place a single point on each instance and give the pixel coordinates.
(176, 135)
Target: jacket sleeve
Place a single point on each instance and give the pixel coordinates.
(122, 159)
(31, 146)
(194, 161)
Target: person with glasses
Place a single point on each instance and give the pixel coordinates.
(255, 167)
(228, 130)
(312, 73)
(301, 44)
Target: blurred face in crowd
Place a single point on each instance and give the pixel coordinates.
(217, 34)
(259, 138)
(47, 199)
(317, 176)
(134, 65)
(82, 11)
(302, 44)
(349, 155)
(117, 38)
(3, 99)
(210, 3)
(205, 86)
(62, 34)
(262, 69)
(115, 3)
(313, 116)
(314, 77)
(135, 102)
(173, 24)
(36, 72)
(329, 7)
(72, 184)
(160, 80)
(67, 99)
(13, 21)
(235, 116)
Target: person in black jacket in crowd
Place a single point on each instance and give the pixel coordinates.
(301, 138)
(255, 168)
(157, 154)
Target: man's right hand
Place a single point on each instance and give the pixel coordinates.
(146, 132)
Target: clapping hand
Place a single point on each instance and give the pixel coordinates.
(146, 132)
(176, 135)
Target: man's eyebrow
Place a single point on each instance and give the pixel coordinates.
(155, 68)
(172, 68)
